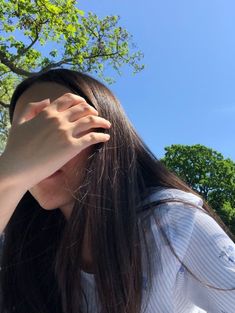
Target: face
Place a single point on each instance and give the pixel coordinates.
(55, 192)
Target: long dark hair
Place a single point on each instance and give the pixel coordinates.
(41, 259)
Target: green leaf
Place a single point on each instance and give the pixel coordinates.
(81, 41)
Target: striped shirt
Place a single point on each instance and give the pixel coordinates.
(199, 242)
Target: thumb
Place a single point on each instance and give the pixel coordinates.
(30, 111)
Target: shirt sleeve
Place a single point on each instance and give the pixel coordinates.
(210, 256)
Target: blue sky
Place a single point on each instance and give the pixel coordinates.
(186, 93)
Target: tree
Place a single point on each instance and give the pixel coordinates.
(208, 173)
(69, 39)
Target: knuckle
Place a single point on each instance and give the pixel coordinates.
(63, 134)
(92, 136)
(73, 96)
(91, 119)
(45, 113)
(55, 121)
(81, 99)
(88, 108)
(69, 95)
(52, 118)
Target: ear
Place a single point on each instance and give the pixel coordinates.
(30, 111)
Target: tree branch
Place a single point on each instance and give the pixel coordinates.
(23, 51)
(4, 73)
(4, 104)
(12, 67)
(91, 30)
(43, 4)
(54, 65)
(22, 72)
(30, 46)
(102, 55)
(66, 61)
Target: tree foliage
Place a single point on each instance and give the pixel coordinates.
(208, 173)
(39, 35)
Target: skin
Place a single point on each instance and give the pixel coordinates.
(55, 192)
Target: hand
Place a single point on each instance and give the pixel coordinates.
(46, 135)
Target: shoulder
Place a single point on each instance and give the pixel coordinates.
(187, 225)
(173, 205)
(164, 193)
(205, 253)
(174, 219)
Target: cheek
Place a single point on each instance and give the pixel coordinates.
(77, 163)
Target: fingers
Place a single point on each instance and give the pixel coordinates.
(68, 100)
(30, 111)
(82, 115)
(89, 139)
(78, 111)
(88, 122)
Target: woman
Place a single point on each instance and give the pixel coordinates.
(95, 223)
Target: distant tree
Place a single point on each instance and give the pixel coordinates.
(208, 173)
(69, 39)
(227, 214)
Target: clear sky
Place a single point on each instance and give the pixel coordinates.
(186, 93)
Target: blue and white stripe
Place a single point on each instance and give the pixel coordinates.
(203, 247)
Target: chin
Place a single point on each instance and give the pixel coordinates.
(47, 205)
(46, 200)
(49, 202)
